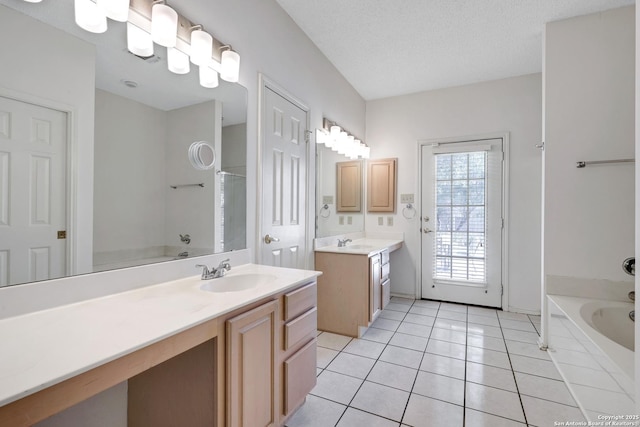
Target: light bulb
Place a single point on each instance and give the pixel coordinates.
(164, 25)
(90, 17)
(208, 77)
(201, 46)
(118, 10)
(177, 61)
(139, 42)
(230, 66)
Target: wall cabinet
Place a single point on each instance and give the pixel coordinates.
(381, 185)
(349, 186)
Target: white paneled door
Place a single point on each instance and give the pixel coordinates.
(284, 171)
(33, 143)
(462, 221)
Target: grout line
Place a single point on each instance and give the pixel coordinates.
(513, 372)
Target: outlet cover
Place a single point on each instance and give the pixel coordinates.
(390, 221)
(349, 220)
(380, 220)
(406, 198)
(327, 200)
(341, 220)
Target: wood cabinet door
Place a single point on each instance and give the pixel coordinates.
(349, 186)
(381, 185)
(375, 289)
(252, 375)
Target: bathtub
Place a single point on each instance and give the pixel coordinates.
(591, 343)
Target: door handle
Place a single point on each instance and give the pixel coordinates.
(427, 230)
(268, 239)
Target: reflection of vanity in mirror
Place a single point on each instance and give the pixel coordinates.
(118, 189)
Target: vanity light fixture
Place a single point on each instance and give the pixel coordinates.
(90, 17)
(118, 10)
(139, 42)
(177, 61)
(164, 24)
(208, 77)
(230, 65)
(201, 46)
(33, 1)
(334, 137)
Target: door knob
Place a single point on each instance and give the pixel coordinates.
(268, 239)
(427, 230)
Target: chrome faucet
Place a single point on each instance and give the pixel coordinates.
(215, 273)
(343, 243)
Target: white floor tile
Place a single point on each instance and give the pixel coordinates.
(337, 387)
(425, 311)
(512, 316)
(443, 365)
(544, 388)
(392, 375)
(589, 377)
(530, 365)
(414, 329)
(440, 387)
(475, 418)
(483, 320)
(393, 315)
(386, 324)
(448, 335)
(400, 300)
(517, 325)
(365, 348)
(512, 334)
(381, 400)
(354, 417)
(425, 412)
(412, 342)
(426, 303)
(452, 315)
(352, 365)
(543, 413)
(447, 349)
(317, 412)
(488, 357)
(490, 343)
(419, 319)
(494, 401)
(482, 311)
(325, 356)
(450, 324)
(333, 341)
(491, 376)
(378, 335)
(460, 308)
(402, 356)
(604, 401)
(397, 307)
(477, 329)
(526, 349)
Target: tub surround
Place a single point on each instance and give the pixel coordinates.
(43, 348)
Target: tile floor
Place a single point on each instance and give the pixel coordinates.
(425, 363)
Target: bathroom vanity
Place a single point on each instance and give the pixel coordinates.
(191, 356)
(355, 284)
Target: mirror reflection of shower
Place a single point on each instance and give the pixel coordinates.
(233, 204)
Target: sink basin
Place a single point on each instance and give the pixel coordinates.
(358, 247)
(237, 283)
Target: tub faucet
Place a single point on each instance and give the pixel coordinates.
(215, 273)
(629, 266)
(343, 243)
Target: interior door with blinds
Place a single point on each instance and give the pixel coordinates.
(462, 221)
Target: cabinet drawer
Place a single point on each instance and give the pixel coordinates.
(300, 327)
(299, 301)
(299, 376)
(385, 271)
(386, 293)
(385, 256)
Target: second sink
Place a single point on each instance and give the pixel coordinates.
(237, 283)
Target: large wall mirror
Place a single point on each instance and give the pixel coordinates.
(338, 213)
(104, 137)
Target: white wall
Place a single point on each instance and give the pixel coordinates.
(130, 140)
(589, 90)
(637, 194)
(513, 105)
(59, 75)
(234, 149)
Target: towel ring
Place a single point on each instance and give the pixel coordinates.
(325, 208)
(409, 208)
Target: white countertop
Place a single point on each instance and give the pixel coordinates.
(365, 246)
(43, 348)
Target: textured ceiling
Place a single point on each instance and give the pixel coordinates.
(392, 47)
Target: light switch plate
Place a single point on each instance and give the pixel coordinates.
(349, 220)
(407, 198)
(380, 220)
(341, 220)
(389, 221)
(327, 200)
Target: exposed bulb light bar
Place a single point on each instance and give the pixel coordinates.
(201, 46)
(164, 25)
(208, 77)
(230, 66)
(90, 17)
(33, 1)
(139, 42)
(337, 139)
(177, 61)
(118, 10)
